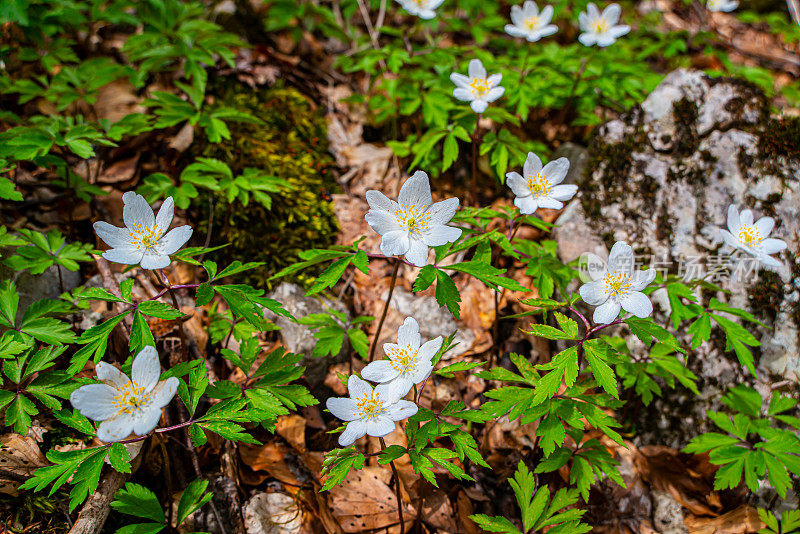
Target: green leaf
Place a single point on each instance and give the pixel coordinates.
(137, 500)
(161, 310)
(597, 355)
(192, 498)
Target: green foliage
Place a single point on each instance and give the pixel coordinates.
(789, 522)
(138, 501)
(752, 445)
(537, 509)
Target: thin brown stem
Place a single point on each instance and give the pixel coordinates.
(168, 478)
(397, 490)
(475, 160)
(385, 310)
(184, 348)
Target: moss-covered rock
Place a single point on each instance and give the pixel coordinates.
(290, 143)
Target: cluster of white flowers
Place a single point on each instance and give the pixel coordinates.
(373, 412)
(126, 405)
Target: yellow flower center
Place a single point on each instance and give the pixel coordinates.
(600, 25)
(539, 185)
(402, 359)
(749, 236)
(617, 284)
(532, 22)
(480, 86)
(421, 3)
(130, 397)
(146, 236)
(370, 406)
(412, 219)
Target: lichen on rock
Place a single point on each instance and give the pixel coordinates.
(662, 176)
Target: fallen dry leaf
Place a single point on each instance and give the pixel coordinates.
(19, 458)
(364, 501)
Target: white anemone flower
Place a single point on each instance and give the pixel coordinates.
(413, 223)
(123, 404)
(618, 287)
(145, 239)
(529, 23)
(601, 29)
(368, 411)
(408, 363)
(478, 89)
(540, 188)
(424, 9)
(752, 237)
(722, 5)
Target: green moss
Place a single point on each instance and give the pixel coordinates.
(290, 144)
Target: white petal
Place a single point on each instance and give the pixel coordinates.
(621, 258)
(112, 236)
(460, 80)
(583, 21)
(479, 105)
(494, 80)
(342, 408)
(771, 246)
(111, 375)
(429, 349)
(642, 279)
(729, 239)
(518, 15)
(514, 31)
(408, 334)
(533, 165)
(379, 201)
(527, 205)
(426, 14)
(606, 313)
(382, 221)
(564, 192)
(494, 93)
(416, 191)
(550, 203)
(517, 184)
(355, 429)
(95, 401)
(592, 10)
(417, 252)
(605, 39)
(476, 69)
(125, 256)
(612, 13)
(164, 217)
(145, 421)
(594, 293)
(769, 261)
(587, 39)
(398, 388)
(556, 170)
(402, 409)
(395, 243)
(115, 429)
(546, 15)
(764, 226)
(136, 211)
(163, 393)
(378, 371)
(379, 427)
(442, 212)
(175, 239)
(421, 371)
(746, 218)
(465, 95)
(619, 31)
(146, 368)
(154, 261)
(638, 304)
(439, 234)
(357, 388)
(733, 219)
